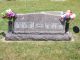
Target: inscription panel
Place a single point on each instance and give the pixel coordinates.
(38, 23)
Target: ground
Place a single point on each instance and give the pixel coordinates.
(40, 50)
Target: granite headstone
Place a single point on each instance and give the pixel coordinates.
(41, 25)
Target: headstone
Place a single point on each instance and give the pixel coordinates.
(41, 25)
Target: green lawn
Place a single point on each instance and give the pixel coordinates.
(40, 50)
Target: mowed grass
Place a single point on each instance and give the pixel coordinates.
(40, 50)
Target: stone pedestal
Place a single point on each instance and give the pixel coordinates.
(37, 37)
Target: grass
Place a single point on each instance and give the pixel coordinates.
(40, 50)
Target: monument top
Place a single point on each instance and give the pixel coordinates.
(41, 22)
(56, 13)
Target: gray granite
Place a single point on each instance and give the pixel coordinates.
(38, 22)
(37, 37)
(41, 25)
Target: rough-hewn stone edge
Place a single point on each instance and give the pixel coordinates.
(37, 37)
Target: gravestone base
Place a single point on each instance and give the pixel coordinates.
(37, 37)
